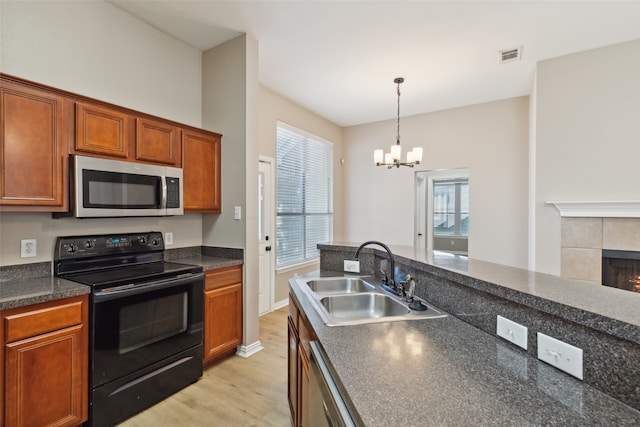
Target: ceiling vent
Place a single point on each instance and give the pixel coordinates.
(510, 55)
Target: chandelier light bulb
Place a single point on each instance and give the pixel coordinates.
(396, 152)
(378, 156)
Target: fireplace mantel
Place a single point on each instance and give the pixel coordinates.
(599, 209)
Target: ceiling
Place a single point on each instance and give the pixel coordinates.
(339, 58)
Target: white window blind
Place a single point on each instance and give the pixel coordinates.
(304, 213)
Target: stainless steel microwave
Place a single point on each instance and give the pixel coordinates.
(104, 188)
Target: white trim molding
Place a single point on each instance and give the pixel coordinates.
(599, 209)
(249, 350)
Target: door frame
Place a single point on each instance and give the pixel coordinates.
(424, 206)
(270, 207)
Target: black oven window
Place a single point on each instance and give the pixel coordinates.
(150, 321)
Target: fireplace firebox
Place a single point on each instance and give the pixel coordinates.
(621, 269)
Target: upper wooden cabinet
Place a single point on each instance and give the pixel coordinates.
(33, 148)
(158, 142)
(201, 154)
(40, 126)
(102, 130)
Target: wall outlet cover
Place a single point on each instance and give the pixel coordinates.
(28, 248)
(512, 332)
(351, 266)
(560, 354)
(168, 238)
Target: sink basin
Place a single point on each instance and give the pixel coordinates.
(355, 300)
(363, 306)
(340, 285)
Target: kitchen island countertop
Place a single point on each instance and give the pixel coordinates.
(436, 372)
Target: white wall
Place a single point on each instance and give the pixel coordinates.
(490, 139)
(274, 107)
(230, 106)
(587, 136)
(94, 49)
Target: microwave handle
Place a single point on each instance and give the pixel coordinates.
(163, 188)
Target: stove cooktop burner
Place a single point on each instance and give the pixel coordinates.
(116, 276)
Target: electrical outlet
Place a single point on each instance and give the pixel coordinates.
(512, 331)
(28, 248)
(351, 266)
(560, 354)
(237, 212)
(168, 238)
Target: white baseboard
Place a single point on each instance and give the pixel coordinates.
(278, 305)
(249, 350)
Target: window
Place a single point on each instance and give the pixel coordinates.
(451, 208)
(304, 212)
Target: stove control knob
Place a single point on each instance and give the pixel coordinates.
(142, 240)
(155, 242)
(71, 248)
(88, 244)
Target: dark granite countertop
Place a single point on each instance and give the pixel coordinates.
(436, 372)
(29, 291)
(209, 262)
(29, 284)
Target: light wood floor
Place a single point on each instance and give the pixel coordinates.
(234, 392)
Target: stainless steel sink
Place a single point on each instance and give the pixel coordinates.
(350, 300)
(363, 306)
(340, 285)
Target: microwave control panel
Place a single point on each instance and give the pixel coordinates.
(173, 193)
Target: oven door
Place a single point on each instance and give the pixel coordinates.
(137, 326)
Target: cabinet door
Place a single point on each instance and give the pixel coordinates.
(49, 376)
(158, 142)
(33, 149)
(303, 397)
(223, 320)
(101, 130)
(201, 154)
(292, 363)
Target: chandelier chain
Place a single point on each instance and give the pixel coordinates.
(398, 134)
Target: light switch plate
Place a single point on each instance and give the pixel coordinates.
(560, 354)
(237, 212)
(512, 331)
(351, 266)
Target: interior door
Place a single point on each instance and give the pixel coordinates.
(265, 236)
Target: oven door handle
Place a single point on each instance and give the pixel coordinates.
(135, 289)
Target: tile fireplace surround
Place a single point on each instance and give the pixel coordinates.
(583, 239)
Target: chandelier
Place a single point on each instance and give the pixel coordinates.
(393, 158)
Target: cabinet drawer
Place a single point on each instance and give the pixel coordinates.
(40, 321)
(223, 277)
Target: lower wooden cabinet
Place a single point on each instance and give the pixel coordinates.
(46, 364)
(292, 362)
(222, 312)
(298, 364)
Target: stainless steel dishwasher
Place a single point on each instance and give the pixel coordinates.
(326, 406)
